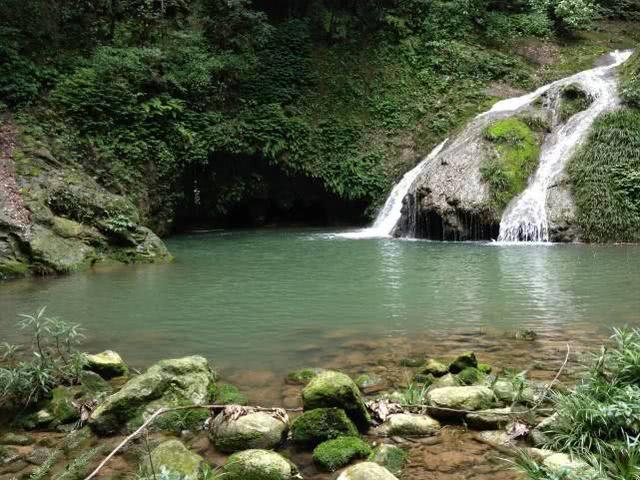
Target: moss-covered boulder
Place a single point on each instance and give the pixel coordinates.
(465, 360)
(93, 384)
(227, 394)
(367, 471)
(303, 376)
(107, 364)
(334, 454)
(322, 424)
(62, 406)
(259, 465)
(408, 425)
(334, 389)
(171, 459)
(51, 252)
(390, 457)
(470, 376)
(448, 399)
(182, 381)
(257, 430)
(434, 367)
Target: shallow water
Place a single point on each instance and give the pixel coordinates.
(271, 301)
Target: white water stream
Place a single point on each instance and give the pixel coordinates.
(525, 219)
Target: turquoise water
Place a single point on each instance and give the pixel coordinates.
(279, 299)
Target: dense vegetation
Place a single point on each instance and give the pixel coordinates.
(221, 108)
(606, 172)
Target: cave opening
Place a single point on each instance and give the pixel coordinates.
(248, 192)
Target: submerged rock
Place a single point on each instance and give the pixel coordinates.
(107, 364)
(182, 381)
(390, 457)
(257, 430)
(334, 454)
(259, 465)
(408, 425)
(171, 459)
(435, 368)
(334, 389)
(460, 398)
(367, 471)
(303, 376)
(322, 424)
(227, 394)
(370, 383)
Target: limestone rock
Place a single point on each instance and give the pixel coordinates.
(257, 430)
(334, 454)
(171, 459)
(460, 398)
(182, 381)
(562, 462)
(334, 389)
(258, 465)
(408, 425)
(367, 471)
(107, 364)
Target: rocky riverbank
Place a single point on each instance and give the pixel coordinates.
(347, 428)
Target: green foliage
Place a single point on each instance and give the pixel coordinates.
(21, 80)
(517, 152)
(575, 14)
(598, 421)
(605, 175)
(415, 394)
(53, 361)
(334, 454)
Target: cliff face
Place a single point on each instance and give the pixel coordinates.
(54, 218)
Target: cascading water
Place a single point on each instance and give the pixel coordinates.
(388, 217)
(525, 219)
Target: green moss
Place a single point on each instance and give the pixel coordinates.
(470, 376)
(303, 376)
(178, 421)
(391, 457)
(517, 150)
(334, 454)
(485, 368)
(316, 426)
(13, 268)
(227, 394)
(573, 100)
(258, 465)
(462, 361)
(605, 177)
(61, 405)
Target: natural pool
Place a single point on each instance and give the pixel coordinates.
(278, 299)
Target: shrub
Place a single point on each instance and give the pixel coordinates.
(53, 361)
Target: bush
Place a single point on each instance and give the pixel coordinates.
(54, 361)
(21, 80)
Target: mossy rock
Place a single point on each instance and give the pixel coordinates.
(107, 364)
(171, 459)
(485, 368)
(61, 405)
(434, 367)
(334, 454)
(573, 100)
(322, 424)
(94, 384)
(470, 376)
(334, 389)
(54, 254)
(516, 153)
(465, 360)
(303, 376)
(449, 380)
(390, 457)
(408, 425)
(227, 394)
(259, 465)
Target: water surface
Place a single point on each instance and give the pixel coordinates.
(277, 300)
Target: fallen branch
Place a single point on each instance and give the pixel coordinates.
(162, 411)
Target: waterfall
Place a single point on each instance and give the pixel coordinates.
(525, 219)
(388, 217)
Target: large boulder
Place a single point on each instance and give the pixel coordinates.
(259, 465)
(322, 424)
(107, 364)
(171, 459)
(367, 471)
(257, 430)
(453, 401)
(169, 383)
(334, 389)
(408, 425)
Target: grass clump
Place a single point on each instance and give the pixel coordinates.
(605, 176)
(599, 421)
(630, 88)
(573, 100)
(334, 454)
(517, 150)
